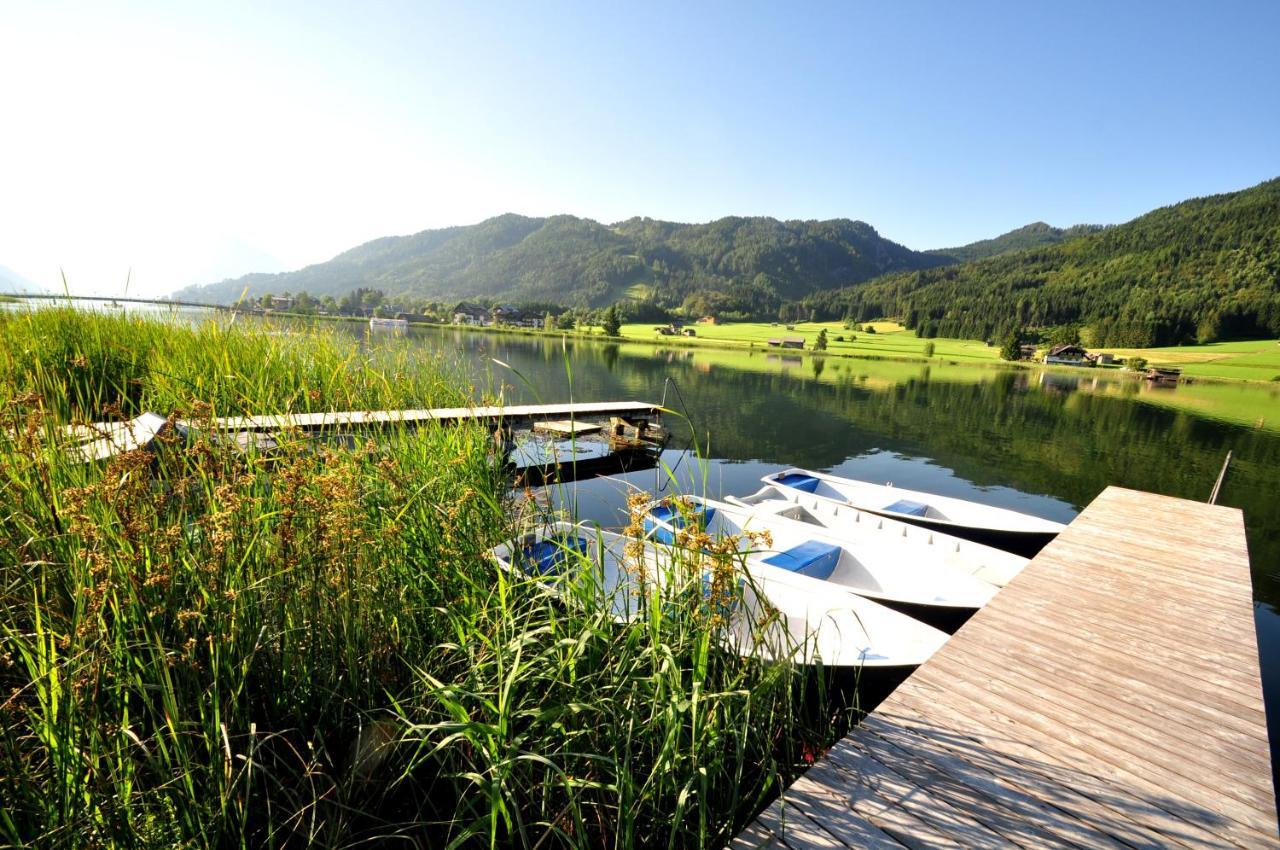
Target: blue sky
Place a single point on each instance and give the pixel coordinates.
(197, 141)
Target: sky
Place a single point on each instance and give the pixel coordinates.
(157, 145)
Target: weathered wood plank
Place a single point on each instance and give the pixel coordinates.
(1110, 696)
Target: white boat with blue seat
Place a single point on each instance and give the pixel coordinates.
(857, 527)
(812, 624)
(880, 568)
(1006, 529)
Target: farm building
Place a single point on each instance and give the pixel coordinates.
(1068, 355)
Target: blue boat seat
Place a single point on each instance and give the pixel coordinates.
(810, 558)
(677, 518)
(908, 507)
(549, 554)
(799, 481)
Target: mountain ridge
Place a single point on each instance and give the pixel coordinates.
(741, 263)
(1200, 270)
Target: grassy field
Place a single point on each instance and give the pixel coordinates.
(890, 339)
(209, 646)
(1255, 360)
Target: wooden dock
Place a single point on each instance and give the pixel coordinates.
(1108, 697)
(104, 439)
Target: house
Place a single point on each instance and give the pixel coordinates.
(1068, 355)
(690, 332)
(708, 320)
(471, 314)
(787, 342)
(1101, 358)
(1027, 352)
(665, 330)
(281, 302)
(506, 314)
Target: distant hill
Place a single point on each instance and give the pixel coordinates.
(1029, 236)
(734, 265)
(11, 281)
(1202, 270)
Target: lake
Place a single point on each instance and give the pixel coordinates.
(1038, 441)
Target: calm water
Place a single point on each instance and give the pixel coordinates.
(1042, 443)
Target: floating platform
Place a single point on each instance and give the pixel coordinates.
(1110, 696)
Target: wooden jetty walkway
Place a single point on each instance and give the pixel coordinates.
(104, 439)
(1108, 697)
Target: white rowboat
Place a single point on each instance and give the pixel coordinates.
(813, 625)
(878, 569)
(856, 527)
(1006, 529)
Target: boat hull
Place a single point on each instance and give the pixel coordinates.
(1025, 543)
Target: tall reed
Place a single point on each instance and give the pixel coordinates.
(205, 645)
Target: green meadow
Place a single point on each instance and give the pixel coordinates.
(890, 340)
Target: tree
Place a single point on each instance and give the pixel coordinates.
(1011, 349)
(565, 321)
(611, 323)
(548, 322)
(868, 329)
(928, 350)
(821, 344)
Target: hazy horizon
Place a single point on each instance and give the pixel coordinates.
(186, 146)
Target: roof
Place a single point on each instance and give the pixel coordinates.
(1068, 348)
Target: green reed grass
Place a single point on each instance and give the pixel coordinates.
(206, 646)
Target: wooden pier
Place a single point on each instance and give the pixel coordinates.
(104, 439)
(1108, 697)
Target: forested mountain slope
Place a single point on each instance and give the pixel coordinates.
(1030, 236)
(745, 266)
(1205, 269)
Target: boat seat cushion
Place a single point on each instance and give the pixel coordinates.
(799, 481)
(677, 518)
(548, 555)
(811, 558)
(908, 507)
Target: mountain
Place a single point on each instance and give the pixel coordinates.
(746, 266)
(1032, 235)
(1202, 270)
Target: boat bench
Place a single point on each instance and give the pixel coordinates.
(811, 558)
(658, 518)
(908, 507)
(548, 555)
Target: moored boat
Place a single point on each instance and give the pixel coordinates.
(878, 569)
(811, 626)
(1006, 529)
(854, 526)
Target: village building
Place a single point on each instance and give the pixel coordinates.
(1068, 354)
(471, 314)
(787, 342)
(507, 314)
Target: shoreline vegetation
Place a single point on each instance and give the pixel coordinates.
(206, 645)
(1225, 361)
